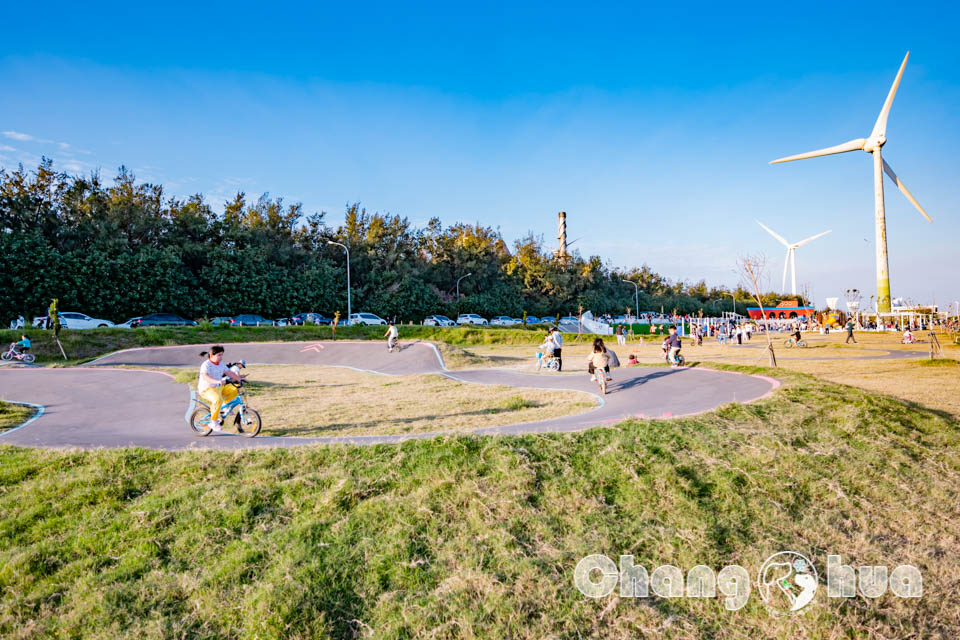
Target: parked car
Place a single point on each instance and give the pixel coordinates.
(163, 320)
(310, 318)
(251, 320)
(502, 321)
(74, 320)
(365, 318)
(438, 321)
(570, 319)
(129, 323)
(533, 320)
(470, 318)
(518, 321)
(222, 320)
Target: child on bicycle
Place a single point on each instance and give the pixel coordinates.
(210, 386)
(392, 335)
(598, 361)
(545, 351)
(672, 345)
(593, 360)
(21, 347)
(795, 336)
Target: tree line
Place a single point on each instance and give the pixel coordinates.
(128, 248)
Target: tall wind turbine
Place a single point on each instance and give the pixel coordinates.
(878, 137)
(791, 258)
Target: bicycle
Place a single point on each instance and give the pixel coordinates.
(678, 362)
(13, 354)
(789, 343)
(550, 363)
(247, 421)
(601, 377)
(393, 343)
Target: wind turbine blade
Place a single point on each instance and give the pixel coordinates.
(904, 190)
(880, 128)
(853, 145)
(774, 234)
(811, 238)
(786, 263)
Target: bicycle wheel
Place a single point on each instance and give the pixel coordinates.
(602, 378)
(801, 344)
(29, 358)
(788, 343)
(200, 420)
(6, 356)
(251, 423)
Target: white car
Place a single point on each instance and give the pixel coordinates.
(75, 320)
(438, 321)
(365, 318)
(470, 318)
(503, 321)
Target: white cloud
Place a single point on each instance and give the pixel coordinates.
(16, 135)
(4, 147)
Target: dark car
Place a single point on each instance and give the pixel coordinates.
(163, 320)
(310, 318)
(251, 320)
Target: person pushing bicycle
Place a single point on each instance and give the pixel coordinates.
(210, 386)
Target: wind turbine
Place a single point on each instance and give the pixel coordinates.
(791, 258)
(878, 137)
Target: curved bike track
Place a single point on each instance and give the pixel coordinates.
(101, 405)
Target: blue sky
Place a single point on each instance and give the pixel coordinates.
(651, 127)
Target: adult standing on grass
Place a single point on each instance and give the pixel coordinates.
(850, 332)
(558, 348)
(621, 337)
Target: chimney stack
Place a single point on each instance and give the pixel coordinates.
(562, 236)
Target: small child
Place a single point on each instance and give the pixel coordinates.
(23, 345)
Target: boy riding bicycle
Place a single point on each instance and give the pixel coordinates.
(672, 344)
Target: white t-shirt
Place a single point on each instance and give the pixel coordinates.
(558, 339)
(394, 332)
(215, 371)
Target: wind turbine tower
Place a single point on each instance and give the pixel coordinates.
(873, 144)
(791, 258)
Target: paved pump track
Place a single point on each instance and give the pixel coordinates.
(107, 404)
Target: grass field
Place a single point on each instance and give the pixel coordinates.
(12, 415)
(465, 537)
(353, 402)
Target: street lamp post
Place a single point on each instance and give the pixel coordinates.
(340, 244)
(636, 293)
(458, 284)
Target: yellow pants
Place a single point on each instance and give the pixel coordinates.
(216, 397)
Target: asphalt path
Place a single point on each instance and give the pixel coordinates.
(109, 404)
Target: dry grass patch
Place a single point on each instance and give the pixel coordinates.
(308, 401)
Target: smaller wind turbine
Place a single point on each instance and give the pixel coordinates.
(791, 258)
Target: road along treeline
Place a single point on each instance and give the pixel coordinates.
(129, 248)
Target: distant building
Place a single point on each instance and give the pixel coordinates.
(784, 311)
